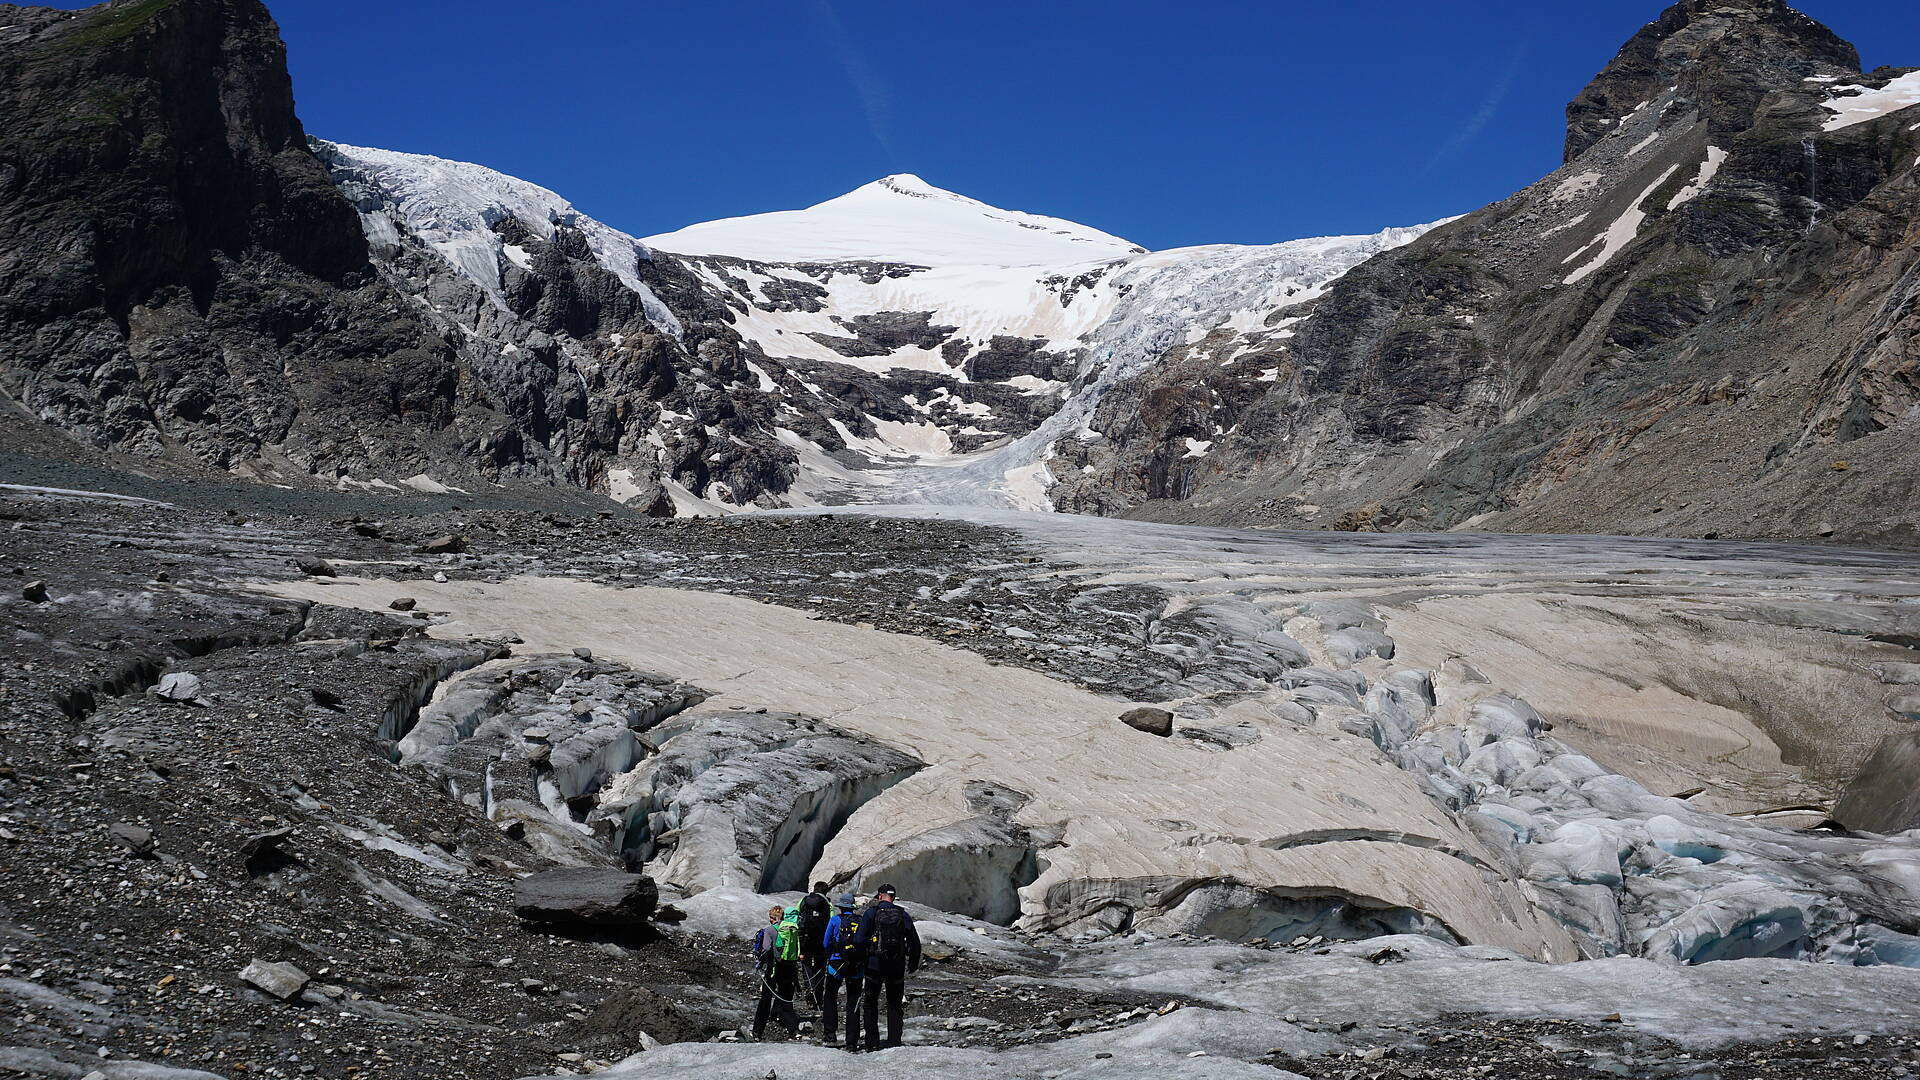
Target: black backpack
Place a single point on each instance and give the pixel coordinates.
(814, 913)
(849, 944)
(887, 932)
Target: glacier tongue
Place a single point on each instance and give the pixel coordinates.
(1164, 298)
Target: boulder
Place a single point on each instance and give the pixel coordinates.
(584, 896)
(263, 853)
(282, 980)
(178, 686)
(313, 567)
(35, 592)
(134, 838)
(404, 603)
(449, 544)
(1150, 720)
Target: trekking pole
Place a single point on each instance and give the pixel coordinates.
(813, 993)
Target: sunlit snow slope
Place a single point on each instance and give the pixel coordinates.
(899, 343)
(902, 219)
(1052, 312)
(453, 207)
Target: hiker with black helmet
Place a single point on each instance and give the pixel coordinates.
(815, 912)
(893, 952)
(776, 952)
(846, 966)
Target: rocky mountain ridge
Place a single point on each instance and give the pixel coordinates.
(1700, 324)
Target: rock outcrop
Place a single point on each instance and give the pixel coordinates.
(180, 277)
(185, 281)
(585, 898)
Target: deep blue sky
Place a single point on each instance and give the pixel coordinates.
(1169, 123)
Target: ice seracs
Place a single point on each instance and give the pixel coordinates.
(453, 206)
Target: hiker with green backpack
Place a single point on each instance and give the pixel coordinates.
(776, 956)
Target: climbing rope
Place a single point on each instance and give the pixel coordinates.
(813, 999)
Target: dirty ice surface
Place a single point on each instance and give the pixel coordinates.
(1486, 751)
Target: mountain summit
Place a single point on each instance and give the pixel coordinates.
(899, 218)
(1725, 55)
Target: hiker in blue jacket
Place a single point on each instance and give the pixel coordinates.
(846, 966)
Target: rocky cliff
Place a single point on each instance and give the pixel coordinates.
(182, 280)
(178, 275)
(1701, 324)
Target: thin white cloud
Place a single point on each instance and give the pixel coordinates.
(875, 101)
(1496, 96)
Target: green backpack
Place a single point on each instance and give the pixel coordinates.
(787, 944)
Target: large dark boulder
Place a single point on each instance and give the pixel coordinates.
(1150, 720)
(585, 897)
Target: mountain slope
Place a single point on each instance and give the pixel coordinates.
(183, 284)
(167, 246)
(453, 207)
(999, 330)
(853, 380)
(1701, 324)
(902, 219)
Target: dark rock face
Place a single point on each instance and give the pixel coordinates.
(1004, 357)
(1726, 54)
(868, 378)
(181, 278)
(157, 137)
(881, 333)
(1736, 360)
(585, 897)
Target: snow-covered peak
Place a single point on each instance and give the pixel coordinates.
(900, 218)
(907, 183)
(452, 207)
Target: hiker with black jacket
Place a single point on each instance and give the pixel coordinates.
(815, 912)
(893, 953)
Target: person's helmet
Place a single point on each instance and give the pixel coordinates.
(887, 890)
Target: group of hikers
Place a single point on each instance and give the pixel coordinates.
(820, 948)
